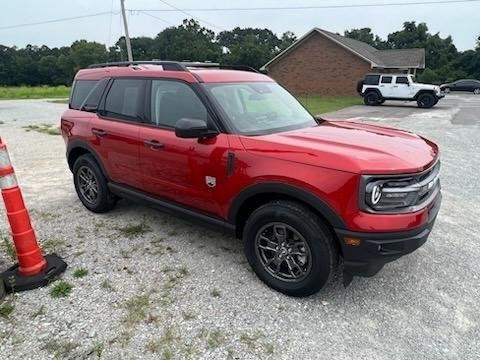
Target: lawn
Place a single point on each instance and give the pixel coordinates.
(33, 92)
(324, 104)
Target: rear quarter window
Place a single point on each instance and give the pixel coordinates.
(372, 79)
(81, 89)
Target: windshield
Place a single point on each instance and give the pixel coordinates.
(260, 108)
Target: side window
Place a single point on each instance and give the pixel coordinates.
(402, 80)
(93, 99)
(125, 99)
(372, 79)
(387, 79)
(172, 101)
(81, 89)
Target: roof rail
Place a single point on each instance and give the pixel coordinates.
(207, 65)
(175, 65)
(167, 65)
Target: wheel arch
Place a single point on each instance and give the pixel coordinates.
(256, 195)
(421, 92)
(368, 90)
(78, 148)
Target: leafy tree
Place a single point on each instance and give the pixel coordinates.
(367, 36)
(189, 41)
(252, 46)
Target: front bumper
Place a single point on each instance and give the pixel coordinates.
(377, 249)
(440, 96)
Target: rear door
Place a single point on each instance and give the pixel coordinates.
(386, 86)
(177, 169)
(115, 130)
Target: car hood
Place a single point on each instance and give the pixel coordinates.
(348, 146)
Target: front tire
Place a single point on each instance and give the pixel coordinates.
(91, 185)
(290, 248)
(371, 98)
(476, 91)
(426, 101)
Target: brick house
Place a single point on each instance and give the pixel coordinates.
(324, 63)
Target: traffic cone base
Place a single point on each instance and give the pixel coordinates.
(15, 281)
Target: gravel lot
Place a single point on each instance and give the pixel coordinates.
(160, 287)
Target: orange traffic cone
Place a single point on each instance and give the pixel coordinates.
(33, 269)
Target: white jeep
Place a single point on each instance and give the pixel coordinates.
(377, 88)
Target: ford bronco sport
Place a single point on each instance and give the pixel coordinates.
(235, 150)
(377, 88)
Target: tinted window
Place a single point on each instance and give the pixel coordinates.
(402, 80)
(372, 79)
(387, 80)
(93, 98)
(172, 101)
(81, 89)
(125, 99)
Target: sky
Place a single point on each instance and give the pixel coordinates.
(460, 20)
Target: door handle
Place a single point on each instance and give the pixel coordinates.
(99, 132)
(153, 144)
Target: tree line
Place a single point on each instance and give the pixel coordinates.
(41, 65)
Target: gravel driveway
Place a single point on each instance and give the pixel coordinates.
(142, 284)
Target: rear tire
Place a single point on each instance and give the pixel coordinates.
(426, 101)
(371, 98)
(290, 248)
(91, 185)
(476, 91)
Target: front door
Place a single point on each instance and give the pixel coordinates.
(402, 88)
(186, 171)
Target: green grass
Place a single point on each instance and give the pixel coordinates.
(80, 273)
(6, 309)
(60, 289)
(44, 129)
(33, 92)
(323, 104)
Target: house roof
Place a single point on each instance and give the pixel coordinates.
(404, 58)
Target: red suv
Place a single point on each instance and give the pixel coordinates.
(232, 148)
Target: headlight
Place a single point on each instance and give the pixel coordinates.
(399, 193)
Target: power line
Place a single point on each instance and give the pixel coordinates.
(310, 7)
(156, 17)
(56, 20)
(174, 8)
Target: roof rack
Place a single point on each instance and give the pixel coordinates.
(167, 65)
(175, 65)
(207, 65)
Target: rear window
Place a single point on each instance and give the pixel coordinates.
(372, 79)
(125, 99)
(81, 89)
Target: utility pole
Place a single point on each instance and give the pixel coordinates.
(127, 37)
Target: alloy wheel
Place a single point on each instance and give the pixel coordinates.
(283, 252)
(87, 184)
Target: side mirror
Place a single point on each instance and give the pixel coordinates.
(193, 129)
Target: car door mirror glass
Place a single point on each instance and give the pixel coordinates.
(193, 128)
